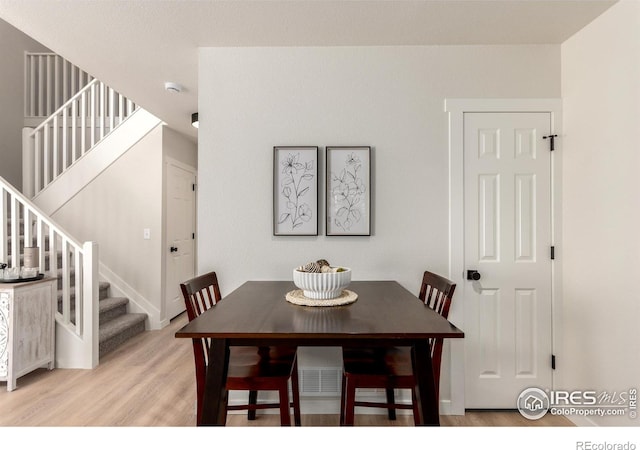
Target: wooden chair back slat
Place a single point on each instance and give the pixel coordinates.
(437, 292)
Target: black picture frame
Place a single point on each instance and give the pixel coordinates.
(295, 191)
(348, 191)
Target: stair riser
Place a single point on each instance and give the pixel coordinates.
(104, 317)
(113, 313)
(111, 344)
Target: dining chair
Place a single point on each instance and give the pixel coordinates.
(250, 369)
(391, 368)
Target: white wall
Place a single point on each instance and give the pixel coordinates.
(13, 44)
(389, 98)
(115, 208)
(601, 255)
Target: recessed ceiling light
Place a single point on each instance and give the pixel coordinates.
(172, 87)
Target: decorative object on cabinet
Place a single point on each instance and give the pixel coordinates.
(295, 191)
(348, 197)
(27, 328)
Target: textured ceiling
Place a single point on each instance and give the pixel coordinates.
(135, 46)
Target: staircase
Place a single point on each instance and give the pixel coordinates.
(116, 324)
(72, 132)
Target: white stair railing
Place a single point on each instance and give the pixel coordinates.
(49, 80)
(22, 224)
(71, 131)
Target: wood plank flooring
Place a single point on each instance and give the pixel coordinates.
(150, 382)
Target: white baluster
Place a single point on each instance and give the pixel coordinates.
(27, 85)
(77, 285)
(111, 109)
(50, 83)
(65, 78)
(66, 298)
(56, 83)
(41, 243)
(93, 115)
(54, 148)
(47, 156)
(64, 143)
(15, 232)
(74, 130)
(120, 108)
(102, 111)
(88, 327)
(83, 122)
(37, 161)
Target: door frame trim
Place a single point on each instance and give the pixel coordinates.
(455, 109)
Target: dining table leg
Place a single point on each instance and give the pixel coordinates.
(214, 411)
(425, 389)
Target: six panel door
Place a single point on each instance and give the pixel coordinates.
(508, 334)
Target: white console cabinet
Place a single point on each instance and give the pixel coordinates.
(27, 328)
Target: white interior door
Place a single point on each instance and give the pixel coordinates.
(507, 196)
(180, 244)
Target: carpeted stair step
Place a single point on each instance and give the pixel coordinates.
(115, 332)
(112, 307)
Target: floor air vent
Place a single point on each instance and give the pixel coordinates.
(320, 381)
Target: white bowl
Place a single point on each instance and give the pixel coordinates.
(322, 285)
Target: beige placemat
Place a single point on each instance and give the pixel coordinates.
(297, 298)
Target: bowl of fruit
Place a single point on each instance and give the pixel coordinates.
(320, 280)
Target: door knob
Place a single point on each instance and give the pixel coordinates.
(173, 249)
(473, 275)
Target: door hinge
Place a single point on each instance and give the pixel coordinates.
(193, 187)
(193, 235)
(553, 362)
(553, 252)
(552, 138)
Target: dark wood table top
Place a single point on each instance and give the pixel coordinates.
(384, 311)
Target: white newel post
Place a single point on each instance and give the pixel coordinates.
(28, 162)
(90, 330)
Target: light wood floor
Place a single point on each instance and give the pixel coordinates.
(150, 381)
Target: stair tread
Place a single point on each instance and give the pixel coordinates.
(109, 303)
(117, 325)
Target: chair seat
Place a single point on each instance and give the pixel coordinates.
(394, 362)
(250, 368)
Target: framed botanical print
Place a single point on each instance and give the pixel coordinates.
(295, 191)
(348, 196)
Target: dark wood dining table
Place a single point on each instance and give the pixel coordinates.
(257, 314)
